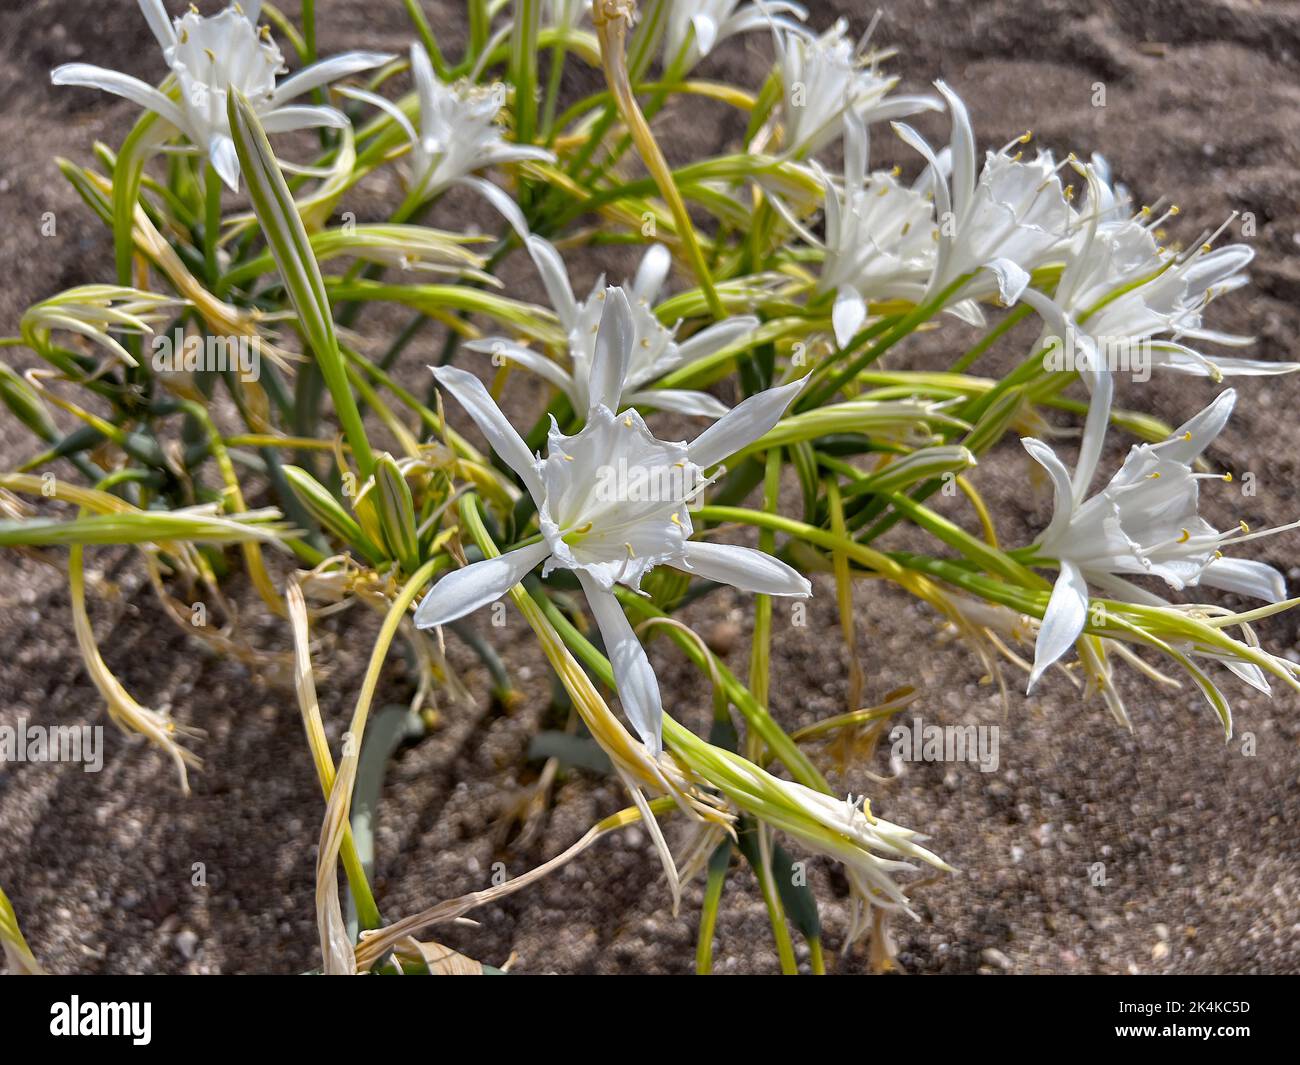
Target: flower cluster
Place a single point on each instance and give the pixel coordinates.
(751, 378)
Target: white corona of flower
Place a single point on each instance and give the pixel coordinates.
(999, 224)
(879, 238)
(1145, 522)
(609, 538)
(713, 21)
(655, 351)
(823, 78)
(210, 56)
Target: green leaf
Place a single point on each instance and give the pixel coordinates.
(330, 513)
(287, 238)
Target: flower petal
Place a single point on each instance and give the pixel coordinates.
(288, 119)
(678, 401)
(744, 568)
(501, 435)
(856, 153)
(387, 106)
(848, 314)
(1101, 383)
(464, 590)
(500, 199)
(1067, 611)
(535, 361)
(963, 151)
(224, 160)
(613, 350)
(1181, 360)
(133, 89)
(1247, 671)
(426, 83)
(651, 273)
(713, 339)
(1011, 277)
(156, 15)
(1196, 434)
(1245, 576)
(1063, 494)
(706, 34)
(555, 279)
(638, 689)
(327, 70)
(743, 424)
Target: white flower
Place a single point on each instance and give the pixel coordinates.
(609, 538)
(1112, 201)
(825, 77)
(1008, 220)
(209, 57)
(879, 238)
(1161, 296)
(713, 21)
(1145, 522)
(870, 848)
(655, 351)
(459, 134)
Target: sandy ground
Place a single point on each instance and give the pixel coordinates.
(1198, 839)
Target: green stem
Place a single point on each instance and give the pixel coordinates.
(425, 32)
(718, 865)
(922, 312)
(523, 62)
(211, 223)
(990, 338)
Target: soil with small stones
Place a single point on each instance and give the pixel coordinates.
(1090, 849)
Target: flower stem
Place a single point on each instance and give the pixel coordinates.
(612, 18)
(718, 864)
(211, 223)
